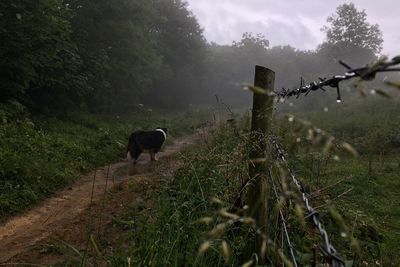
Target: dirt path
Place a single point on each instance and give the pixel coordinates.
(21, 233)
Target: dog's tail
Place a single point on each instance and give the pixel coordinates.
(129, 156)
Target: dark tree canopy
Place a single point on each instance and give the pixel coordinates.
(109, 56)
(183, 48)
(99, 55)
(119, 45)
(37, 56)
(349, 27)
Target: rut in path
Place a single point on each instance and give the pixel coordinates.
(21, 233)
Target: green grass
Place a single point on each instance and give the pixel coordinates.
(40, 155)
(370, 210)
(170, 236)
(372, 125)
(174, 238)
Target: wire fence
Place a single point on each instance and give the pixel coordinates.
(366, 73)
(283, 221)
(327, 248)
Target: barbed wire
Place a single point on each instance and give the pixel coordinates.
(283, 221)
(328, 249)
(364, 73)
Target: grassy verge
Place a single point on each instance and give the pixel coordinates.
(41, 155)
(174, 236)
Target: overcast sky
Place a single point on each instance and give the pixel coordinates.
(293, 22)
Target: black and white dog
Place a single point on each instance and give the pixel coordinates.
(149, 141)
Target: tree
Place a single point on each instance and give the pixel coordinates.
(118, 42)
(183, 49)
(349, 28)
(37, 59)
(249, 40)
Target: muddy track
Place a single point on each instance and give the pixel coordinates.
(19, 234)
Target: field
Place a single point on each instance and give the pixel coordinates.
(366, 188)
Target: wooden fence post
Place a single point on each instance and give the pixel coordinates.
(260, 157)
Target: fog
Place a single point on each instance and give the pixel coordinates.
(295, 23)
(116, 57)
(86, 83)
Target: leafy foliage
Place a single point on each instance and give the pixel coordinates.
(36, 53)
(183, 47)
(103, 56)
(349, 27)
(249, 40)
(109, 56)
(118, 42)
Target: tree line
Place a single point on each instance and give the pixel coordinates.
(109, 56)
(349, 37)
(100, 55)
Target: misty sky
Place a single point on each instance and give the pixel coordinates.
(293, 22)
